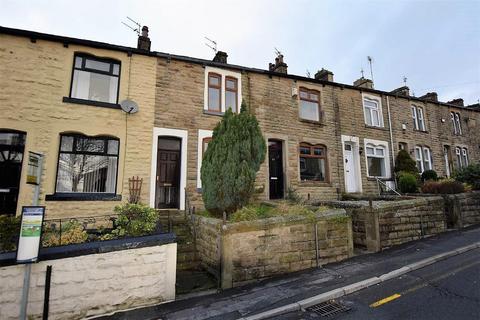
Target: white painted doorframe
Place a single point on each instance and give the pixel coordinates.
(353, 157)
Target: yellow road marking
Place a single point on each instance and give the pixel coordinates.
(385, 300)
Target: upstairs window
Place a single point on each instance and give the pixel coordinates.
(87, 164)
(214, 92)
(95, 79)
(457, 127)
(372, 112)
(309, 104)
(376, 160)
(418, 118)
(313, 162)
(231, 94)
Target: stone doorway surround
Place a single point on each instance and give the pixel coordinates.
(177, 133)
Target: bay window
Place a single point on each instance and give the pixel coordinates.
(87, 164)
(313, 162)
(95, 79)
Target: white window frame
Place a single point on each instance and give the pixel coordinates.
(421, 119)
(419, 158)
(224, 74)
(457, 120)
(427, 159)
(458, 155)
(378, 101)
(386, 156)
(415, 119)
(202, 134)
(452, 116)
(465, 157)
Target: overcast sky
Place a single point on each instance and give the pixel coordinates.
(435, 44)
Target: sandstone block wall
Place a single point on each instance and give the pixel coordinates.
(254, 250)
(93, 284)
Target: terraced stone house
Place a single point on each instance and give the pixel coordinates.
(324, 138)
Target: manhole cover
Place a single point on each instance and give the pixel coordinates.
(328, 308)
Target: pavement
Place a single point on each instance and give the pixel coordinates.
(264, 296)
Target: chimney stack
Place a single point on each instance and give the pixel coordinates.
(402, 91)
(143, 40)
(363, 83)
(220, 57)
(430, 96)
(324, 75)
(279, 66)
(456, 102)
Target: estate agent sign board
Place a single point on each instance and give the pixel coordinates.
(30, 234)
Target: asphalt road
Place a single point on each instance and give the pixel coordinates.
(449, 289)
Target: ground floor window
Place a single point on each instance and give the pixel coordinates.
(423, 158)
(462, 157)
(87, 164)
(313, 162)
(376, 160)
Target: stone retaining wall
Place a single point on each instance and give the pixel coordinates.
(463, 209)
(251, 250)
(93, 284)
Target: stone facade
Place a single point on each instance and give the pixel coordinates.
(172, 93)
(36, 75)
(93, 284)
(252, 250)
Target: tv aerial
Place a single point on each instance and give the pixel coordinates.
(136, 29)
(277, 52)
(129, 106)
(211, 44)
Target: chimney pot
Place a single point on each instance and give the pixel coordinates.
(144, 42)
(456, 102)
(220, 57)
(279, 66)
(430, 96)
(363, 83)
(324, 75)
(402, 91)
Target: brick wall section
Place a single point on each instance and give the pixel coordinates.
(93, 284)
(254, 250)
(35, 78)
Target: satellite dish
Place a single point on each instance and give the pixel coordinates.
(129, 106)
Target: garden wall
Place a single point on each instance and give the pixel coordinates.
(121, 274)
(463, 210)
(389, 223)
(251, 250)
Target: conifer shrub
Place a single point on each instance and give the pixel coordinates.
(407, 182)
(428, 175)
(405, 163)
(231, 161)
(470, 175)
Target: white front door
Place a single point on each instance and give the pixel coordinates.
(351, 184)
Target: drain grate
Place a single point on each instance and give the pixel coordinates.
(328, 308)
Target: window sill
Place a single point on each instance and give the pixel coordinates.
(73, 196)
(92, 103)
(213, 113)
(320, 122)
(376, 127)
(420, 131)
(379, 178)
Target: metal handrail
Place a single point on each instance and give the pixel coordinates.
(386, 186)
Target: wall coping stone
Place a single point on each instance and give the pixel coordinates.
(81, 249)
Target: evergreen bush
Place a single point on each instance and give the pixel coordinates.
(470, 175)
(428, 175)
(407, 182)
(231, 161)
(405, 163)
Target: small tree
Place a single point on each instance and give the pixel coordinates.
(405, 163)
(231, 162)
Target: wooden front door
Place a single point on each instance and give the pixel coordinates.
(275, 162)
(168, 173)
(12, 145)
